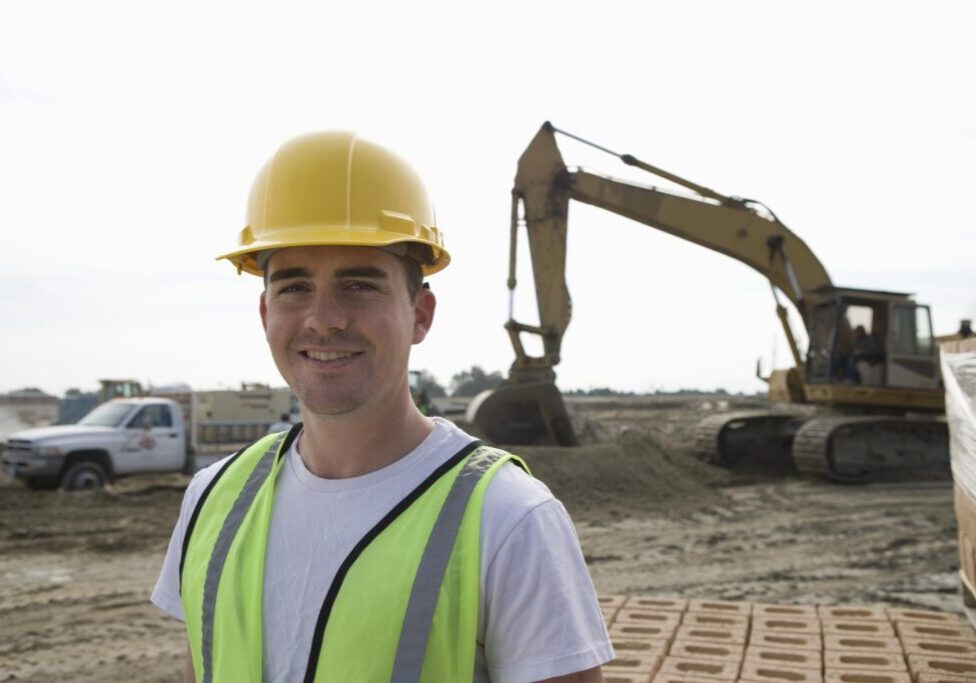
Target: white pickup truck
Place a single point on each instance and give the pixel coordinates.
(118, 438)
(127, 436)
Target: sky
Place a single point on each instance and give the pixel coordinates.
(130, 133)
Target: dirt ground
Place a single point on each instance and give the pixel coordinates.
(76, 569)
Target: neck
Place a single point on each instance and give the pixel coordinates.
(345, 446)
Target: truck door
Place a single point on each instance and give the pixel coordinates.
(912, 361)
(153, 441)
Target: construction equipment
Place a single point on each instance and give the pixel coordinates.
(871, 361)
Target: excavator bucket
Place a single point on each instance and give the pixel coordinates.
(523, 413)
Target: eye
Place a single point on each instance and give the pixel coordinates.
(361, 286)
(293, 288)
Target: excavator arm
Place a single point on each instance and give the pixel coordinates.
(544, 186)
(735, 227)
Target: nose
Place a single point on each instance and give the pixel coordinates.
(326, 314)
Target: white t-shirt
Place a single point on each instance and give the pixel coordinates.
(538, 617)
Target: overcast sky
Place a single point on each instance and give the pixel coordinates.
(130, 133)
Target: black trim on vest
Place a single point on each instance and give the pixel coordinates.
(396, 511)
(290, 439)
(292, 434)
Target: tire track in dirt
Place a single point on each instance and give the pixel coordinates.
(84, 618)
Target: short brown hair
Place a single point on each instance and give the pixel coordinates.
(415, 276)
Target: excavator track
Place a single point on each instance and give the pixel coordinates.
(729, 439)
(848, 448)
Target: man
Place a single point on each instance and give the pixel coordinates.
(369, 542)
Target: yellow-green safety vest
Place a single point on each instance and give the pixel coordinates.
(403, 606)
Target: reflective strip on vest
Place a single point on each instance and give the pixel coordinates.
(412, 647)
(227, 533)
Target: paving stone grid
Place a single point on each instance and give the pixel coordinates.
(677, 640)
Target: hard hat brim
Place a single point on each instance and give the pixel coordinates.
(245, 258)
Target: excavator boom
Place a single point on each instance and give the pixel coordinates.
(543, 189)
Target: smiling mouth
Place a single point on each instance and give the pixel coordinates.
(329, 355)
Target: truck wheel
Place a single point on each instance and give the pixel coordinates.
(84, 475)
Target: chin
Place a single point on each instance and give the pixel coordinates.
(331, 407)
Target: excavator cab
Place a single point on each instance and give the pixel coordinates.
(865, 343)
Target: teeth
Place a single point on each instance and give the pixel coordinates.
(322, 355)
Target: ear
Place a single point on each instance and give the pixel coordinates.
(423, 314)
(263, 307)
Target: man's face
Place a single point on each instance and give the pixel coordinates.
(340, 324)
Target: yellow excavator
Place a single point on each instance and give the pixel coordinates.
(871, 361)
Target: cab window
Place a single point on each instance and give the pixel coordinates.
(924, 341)
(912, 331)
(151, 416)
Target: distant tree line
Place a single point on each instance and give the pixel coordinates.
(598, 391)
(465, 383)
(473, 381)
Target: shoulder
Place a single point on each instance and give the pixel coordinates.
(203, 477)
(511, 495)
(251, 453)
(513, 487)
(166, 594)
(520, 510)
(201, 481)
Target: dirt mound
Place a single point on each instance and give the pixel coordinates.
(636, 455)
(629, 475)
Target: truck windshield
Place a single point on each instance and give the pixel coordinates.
(109, 414)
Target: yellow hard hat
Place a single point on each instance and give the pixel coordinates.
(336, 188)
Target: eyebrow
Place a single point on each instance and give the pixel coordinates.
(288, 274)
(353, 271)
(363, 271)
